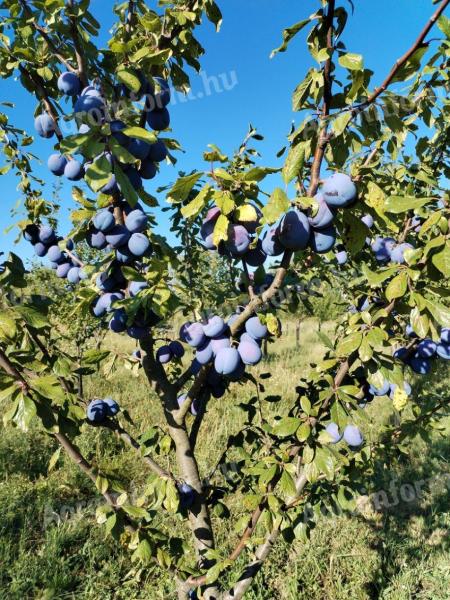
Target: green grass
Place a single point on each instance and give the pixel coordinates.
(394, 554)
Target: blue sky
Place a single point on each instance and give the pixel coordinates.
(253, 87)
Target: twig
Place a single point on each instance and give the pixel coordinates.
(79, 51)
(44, 34)
(323, 139)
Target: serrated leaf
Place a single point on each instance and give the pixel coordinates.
(198, 203)
(349, 344)
(397, 287)
(220, 233)
(401, 204)
(293, 163)
(277, 206)
(286, 426)
(225, 201)
(353, 62)
(180, 191)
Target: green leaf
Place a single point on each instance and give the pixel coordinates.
(289, 33)
(354, 232)
(398, 286)
(32, 317)
(198, 203)
(352, 62)
(294, 162)
(221, 230)
(286, 426)
(287, 484)
(349, 344)
(180, 191)
(225, 201)
(259, 173)
(141, 134)
(143, 552)
(8, 327)
(441, 260)
(130, 79)
(375, 279)
(401, 204)
(49, 387)
(54, 459)
(340, 123)
(277, 205)
(99, 173)
(26, 410)
(444, 25)
(440, 313)
(102, 484)
(419, 322)
(126, 188)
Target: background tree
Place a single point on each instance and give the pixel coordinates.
(290, 463)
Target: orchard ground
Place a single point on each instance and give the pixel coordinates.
(393, 550)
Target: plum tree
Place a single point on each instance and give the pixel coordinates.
(377, 210)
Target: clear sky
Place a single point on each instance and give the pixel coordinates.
(252, 87)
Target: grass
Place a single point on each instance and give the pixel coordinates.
(394, 553)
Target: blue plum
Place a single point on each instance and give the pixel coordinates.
(256, 329)
(118, 236)
(136, 221)
(96, 239)
(57, 163)
(341, 257)
(333, 430)
(255, 257)
(426, 348)
(63, 269)
(69, 84)
(177, 349)
(74, 170)
(249, 352)
(204, 353)
(368, 221)
(136, 287)
(73, 276)
(294, 230)
(157, 152)
(380, 391)
(322, 240)
(353, 436)
(104, 220)
(46, 235)
(54, 254)
(194, 335)
(112, 408)
(271, 245)
(325, 215)
(215, 327)
(227, 361)
(382, 248)
(40, 249)
(420, 365)
(139, 149)
(443, 350)
(118, 323)
(398, 253)
(97, 411)
(139, 245)
(158, 119)
(238, 241)
(164, 355)
(219, 342)
(445, 335)
(45, 125)
(147, 169)
(339, 190)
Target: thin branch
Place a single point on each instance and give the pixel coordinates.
(154, 466)
(45, 35)
(323, 139)
(404, 59)
(79, 50)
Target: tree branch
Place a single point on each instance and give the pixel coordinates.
(323, 139)
(79, 51)
(45, 35)
(404, 59)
